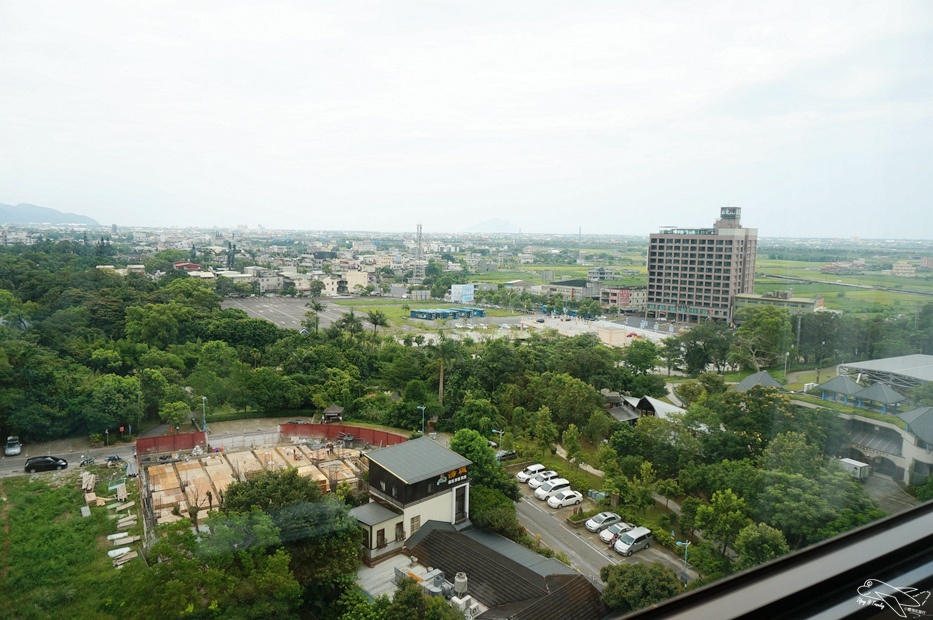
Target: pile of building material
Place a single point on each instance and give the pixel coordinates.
(219, 471)
(243, 463)
(196, 484)
(336, 471)
(166, 490)
(297, 458)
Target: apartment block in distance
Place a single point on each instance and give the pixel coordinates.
(694, 273)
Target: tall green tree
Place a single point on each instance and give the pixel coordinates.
(570, 439)
(641, 355)
(112, 400)
(485, 470)
(759, 543)
(175, 413)
(763, 337)
(545, 431)
(723, 518)
(321, 538)
(633, 586)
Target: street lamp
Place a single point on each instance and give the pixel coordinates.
(786, 356)
(204, 412)
(422, 407)
(686, 545)
(500, 433)
(819, 360)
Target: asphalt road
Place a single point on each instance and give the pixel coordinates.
(15, 465)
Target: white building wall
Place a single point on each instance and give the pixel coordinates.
(438, 508)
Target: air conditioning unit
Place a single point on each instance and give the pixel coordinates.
(463, 603)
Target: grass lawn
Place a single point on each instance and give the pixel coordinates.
(395, 310)
(853, 300)
(54, 562)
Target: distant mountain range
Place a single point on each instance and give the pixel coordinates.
(494, 226)
(33, 214)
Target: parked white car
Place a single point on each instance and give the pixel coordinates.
(552, 487)
(538, 479)
(565, 498)
(612, 532)
(529, 472)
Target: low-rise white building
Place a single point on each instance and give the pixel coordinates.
(411, 483)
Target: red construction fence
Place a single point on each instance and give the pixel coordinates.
(171, 443)
(371, 436)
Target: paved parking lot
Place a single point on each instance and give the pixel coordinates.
(584, 548)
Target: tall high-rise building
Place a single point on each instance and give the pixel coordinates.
(693, 273)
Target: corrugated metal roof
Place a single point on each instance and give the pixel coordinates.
(623, 414)
(659, 407)
(916, 366)
(517, 553)
(418, 459)
(372, 513)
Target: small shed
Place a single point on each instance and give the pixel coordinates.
(759, 379)
(839, 386)
(334, 413)
(882, 394)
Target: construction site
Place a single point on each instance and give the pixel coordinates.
(183, 475)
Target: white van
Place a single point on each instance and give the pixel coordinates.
(525, 475)
(551, 487)
(633, 540)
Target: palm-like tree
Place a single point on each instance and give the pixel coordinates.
(378, 319)
(349, 323)
(312, 316)
(446, 350)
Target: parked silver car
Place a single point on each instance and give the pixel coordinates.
(601, 521)
(13, 447)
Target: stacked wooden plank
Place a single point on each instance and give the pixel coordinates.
(196, 484)
(165, 486)
(165, 515)
(88, 481)
(126, 522)
(120, 560)
(219, 471)
(304, 465)
(243, 463)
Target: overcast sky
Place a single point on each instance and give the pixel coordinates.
(815, 117)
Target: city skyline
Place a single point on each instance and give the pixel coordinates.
(608, 118)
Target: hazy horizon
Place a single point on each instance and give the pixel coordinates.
(614, 117)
